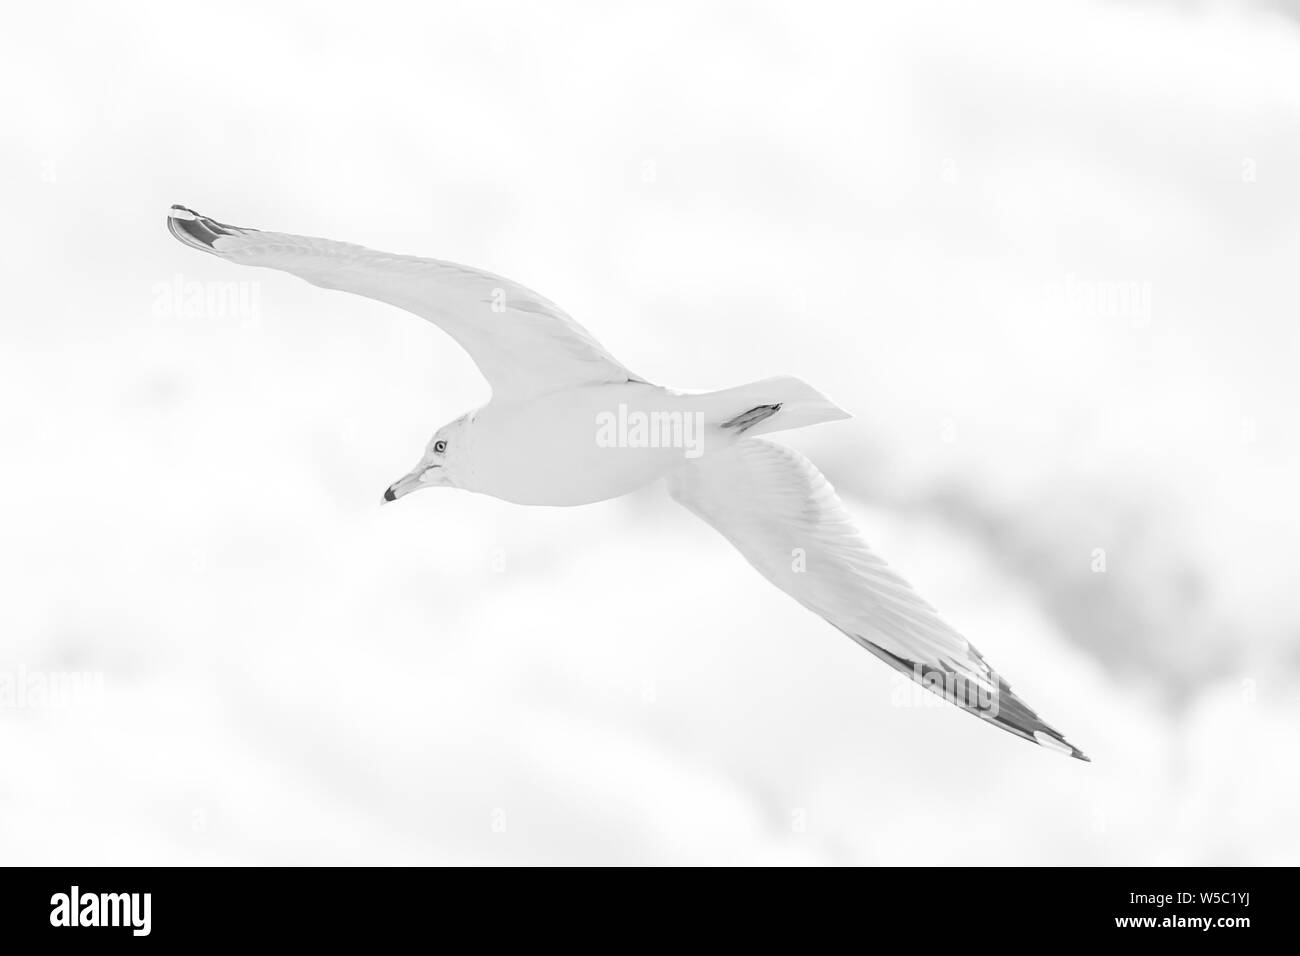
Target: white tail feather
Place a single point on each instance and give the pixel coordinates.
(801, 405)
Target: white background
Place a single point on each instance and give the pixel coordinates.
(919, 208)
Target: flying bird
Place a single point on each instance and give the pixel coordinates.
(568, 424)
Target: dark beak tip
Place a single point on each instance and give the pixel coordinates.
(388, 494)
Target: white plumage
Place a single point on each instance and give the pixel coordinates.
(557, 396)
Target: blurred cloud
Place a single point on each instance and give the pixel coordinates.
(1043, 253)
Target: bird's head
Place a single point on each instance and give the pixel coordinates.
(440, 465)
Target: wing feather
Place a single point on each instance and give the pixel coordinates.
(523, 344)
(782, 514)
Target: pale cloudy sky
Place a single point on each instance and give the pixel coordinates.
(1045, 254)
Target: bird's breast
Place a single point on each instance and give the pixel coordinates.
(582, 445)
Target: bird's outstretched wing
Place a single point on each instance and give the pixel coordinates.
(785, 518)
(523, 344)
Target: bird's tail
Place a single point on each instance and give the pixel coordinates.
(769, 405)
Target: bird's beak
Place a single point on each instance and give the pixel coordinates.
(424, 476)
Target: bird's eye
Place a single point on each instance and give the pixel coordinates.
(439, 447)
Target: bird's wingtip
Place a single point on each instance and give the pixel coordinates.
(197, 230)
(1054, 741)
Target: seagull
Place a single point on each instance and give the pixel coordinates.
(568, 424)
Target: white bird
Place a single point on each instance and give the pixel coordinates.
(568, 424)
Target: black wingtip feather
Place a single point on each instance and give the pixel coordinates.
(1011, 714)
(198, 231)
